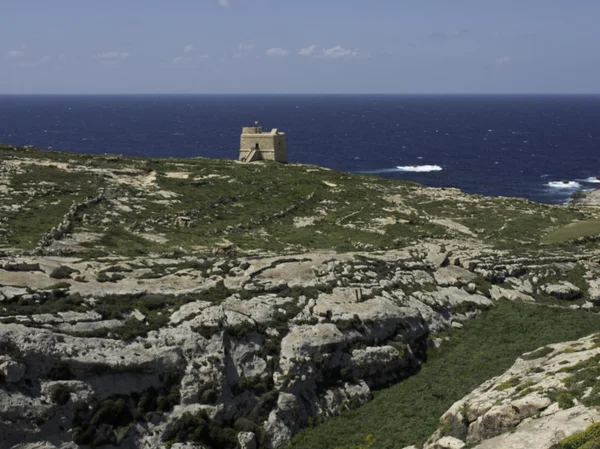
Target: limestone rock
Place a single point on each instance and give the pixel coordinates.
(512, 295)
(471, 288)
(449, 443)
(7, 292)
(544, 432)
(12, 371)
(303, 335)
(375, 361)
(594, 290)
(453, 275)
(247, 440)
(562, 290)
(436, 255)
(282, 421)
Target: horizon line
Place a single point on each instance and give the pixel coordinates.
(305, 94)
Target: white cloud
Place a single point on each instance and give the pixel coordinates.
(503, 60)
(189, 61)
(112, 55)
(16, 54)
(188, 48)
(308, 50)
(43, 60)
(223, 3)
(277, 52)
(243, 50)
(337, 52)
(449, 34)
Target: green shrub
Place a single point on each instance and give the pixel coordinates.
(60, 371)
(103, 277)
(483, 285)
(111, 415)
(63, 272)
(508, 384)
(583, 440)
(58, 286)
(564, 399)
(538, 354)
(60, 394)
(198, 428)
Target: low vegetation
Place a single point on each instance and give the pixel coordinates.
(109, 421)
(155, 205)
(588, 439)
(573, 231)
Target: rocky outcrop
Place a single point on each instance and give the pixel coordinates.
(248, 350)
(563, 290)
(547, 395)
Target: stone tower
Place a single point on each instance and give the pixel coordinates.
(258, 146)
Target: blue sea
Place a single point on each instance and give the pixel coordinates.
(524, 146)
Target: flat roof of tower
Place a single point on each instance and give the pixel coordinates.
(253, 131)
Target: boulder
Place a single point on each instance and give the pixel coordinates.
(594, 290)
(11, 292)
(562, 290)
(453, 275)
(512, 295)
(247, 440)
(12, 371)
(471, 288)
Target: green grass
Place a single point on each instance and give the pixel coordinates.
(44, 207)
(574, 231)
(255, 206)
(538, 353)
(409, 412)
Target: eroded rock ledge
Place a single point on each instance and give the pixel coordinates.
(228, 350)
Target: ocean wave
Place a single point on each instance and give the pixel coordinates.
(420, 168)
(592, 179)
(564, 185)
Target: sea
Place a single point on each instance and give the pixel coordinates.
(543, 147)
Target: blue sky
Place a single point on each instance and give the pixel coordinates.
(309, 46)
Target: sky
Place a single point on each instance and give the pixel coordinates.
(309, 46)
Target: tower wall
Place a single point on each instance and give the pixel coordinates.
(256, 145)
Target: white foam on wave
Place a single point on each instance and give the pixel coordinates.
(592, 180)
(564, 185)
(420, 168)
